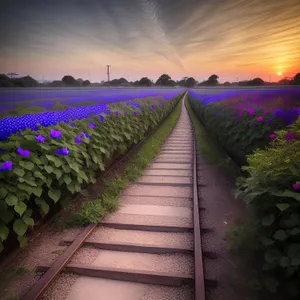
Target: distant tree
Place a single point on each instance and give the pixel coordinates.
(227, 83)
(26, 81)
(190, 82)
(285, 81)
(5, 81)
(57, 83)
(163, 80)
(256, 82)
(118, 82)
(69, 80)
(145, 81)
(85, 83)
(212, 80)
(296, 79)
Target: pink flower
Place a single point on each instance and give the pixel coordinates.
(260, 119)
(265, 111)
(272, 136)
(251, 111)
(290, 136)
(296, 186)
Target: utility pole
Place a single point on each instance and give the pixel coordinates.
(108, 67)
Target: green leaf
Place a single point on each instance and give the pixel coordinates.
(290, 194)
(293, 250)
(23, 241)
(11, 200)
(54, 194)
(58, 162)
(292, 221)
(84, 193)
(295, 261)
(66, 168)
(19, 172)
(48, 169)
(268, 220)
(28, 221)
(4, 231)
(271, 283)
(67, 179)
(42, 204)
(284, 261)
(20, 208)
(3, 193)
(37, 191)
(20, 227)
(58, 173)
(28, 165)
(283, 206)
(280, 235)
(8, 216)
(267, 241)
(294, 231)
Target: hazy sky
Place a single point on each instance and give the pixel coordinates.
(231, 38)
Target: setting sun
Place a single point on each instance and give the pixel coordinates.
(279, 73)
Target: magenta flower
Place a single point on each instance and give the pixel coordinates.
(240, 114)
(265, 111)
(260, 119)
(251, 111)
(63, 151)
(290, 136)
(116, 113)
(40, 138)
(25, 153)
(6, 166)
(78, 139)
(272, 136)
(92, 125)
(296, 186)
(55, 133)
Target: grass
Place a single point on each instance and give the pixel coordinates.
(208, 148)
(94, 211)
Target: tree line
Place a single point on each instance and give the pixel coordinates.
(163, 80)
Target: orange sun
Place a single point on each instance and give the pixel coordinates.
(279, 73)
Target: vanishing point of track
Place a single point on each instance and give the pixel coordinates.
(154, 238)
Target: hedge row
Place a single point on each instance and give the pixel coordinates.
(239, 133)
(43, 167)
(272, 188)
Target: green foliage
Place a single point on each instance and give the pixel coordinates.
(37, 182)
(268, 189)
(238, 135)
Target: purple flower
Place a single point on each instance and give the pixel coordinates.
(240, 114)
(2, 150)
(260, 119)
(272, 136)
(63, 151)
(40, 138)
(101, 118)
(116, 113)
(6, 166)
(296, 186)
(290, 136)
(265, 111)
(153, 107)
(134, 113)
(251, 111)
(92, 125)
(55, 133)
(85, 135)
(78, 139)
(22, 152)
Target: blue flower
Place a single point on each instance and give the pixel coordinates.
(6, 166)
(78, 139)
(55, 133)
(63, 151)
(40, 138)
(2, 150)
(92, 125)
(101, 118)
(25, 153)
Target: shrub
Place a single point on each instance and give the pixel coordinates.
(272, 188)
(39, 168)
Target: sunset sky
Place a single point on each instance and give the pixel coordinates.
(232, 38)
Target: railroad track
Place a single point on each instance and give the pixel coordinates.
(151, 247)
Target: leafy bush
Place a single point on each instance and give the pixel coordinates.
(272, 188)
(39, 168)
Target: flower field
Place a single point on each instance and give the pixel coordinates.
(47, 157)
(261, 130)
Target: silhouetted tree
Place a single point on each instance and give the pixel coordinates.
(190, 82)
(86, 83)
(212, 80)
(69, 80)
(256, 82)
(145, 81)
(296, 79)
(163, 80)
(227, 83)
(285, 81)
